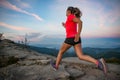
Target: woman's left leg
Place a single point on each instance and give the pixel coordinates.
(100, 63)
(78, 50)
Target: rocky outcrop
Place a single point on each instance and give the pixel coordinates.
(30, 65)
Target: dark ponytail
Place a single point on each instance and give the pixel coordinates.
(75, 11)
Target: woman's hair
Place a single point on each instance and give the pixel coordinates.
(71, 9)
(75, 11)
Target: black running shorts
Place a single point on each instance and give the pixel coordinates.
(71, 41)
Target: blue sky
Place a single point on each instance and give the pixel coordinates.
(42, 18)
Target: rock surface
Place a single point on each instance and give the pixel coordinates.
(36, 66)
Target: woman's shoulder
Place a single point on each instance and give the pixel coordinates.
(81, 21)
(77, 20)
(70, 17)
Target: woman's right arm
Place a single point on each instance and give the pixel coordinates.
(63, 24)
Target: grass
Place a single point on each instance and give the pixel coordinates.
(113, 60)
(5, 61)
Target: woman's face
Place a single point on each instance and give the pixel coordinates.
(68, 12)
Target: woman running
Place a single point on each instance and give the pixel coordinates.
(73, 26)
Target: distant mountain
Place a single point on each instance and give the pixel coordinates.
(44, 50)
(94, 52)
(106, 55)
(100, 50)
(51, 51)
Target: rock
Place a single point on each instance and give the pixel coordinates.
(1, 78)
(26, 62)
(35, 72)
(9, 51)
(33, 62)
(34, 57)
(114, 68)
(21, 56)
(44, 62)
(60, 74)
(87, 77)
(75, 73)
(7, 60)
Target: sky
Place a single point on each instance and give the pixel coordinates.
(40, 19)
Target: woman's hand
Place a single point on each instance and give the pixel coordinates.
(63, 24)
(77, 36)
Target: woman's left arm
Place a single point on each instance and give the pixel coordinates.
(79, 22)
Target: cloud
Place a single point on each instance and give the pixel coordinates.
(100, 18)
(23, 4)
(18, 28)
(101, 32)
(31, 37)
(8, 5)
(35, 37)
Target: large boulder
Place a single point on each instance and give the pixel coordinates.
(34, 72)
(75, 73)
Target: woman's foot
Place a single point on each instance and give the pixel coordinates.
(102, 65)
(53, 65)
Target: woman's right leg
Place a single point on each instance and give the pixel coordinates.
(63, 49)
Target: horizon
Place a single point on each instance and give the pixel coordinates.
(86, 42)
(39, 20)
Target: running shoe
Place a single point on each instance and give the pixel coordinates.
(53, 65)
(102, 65)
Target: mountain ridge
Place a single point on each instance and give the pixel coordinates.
(94, 52)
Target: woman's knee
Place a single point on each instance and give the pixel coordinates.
(81, 57)
(61, 51)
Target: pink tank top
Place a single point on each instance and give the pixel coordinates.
(71, 27)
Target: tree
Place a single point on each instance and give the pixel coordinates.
(1, 36)
(26, 41)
